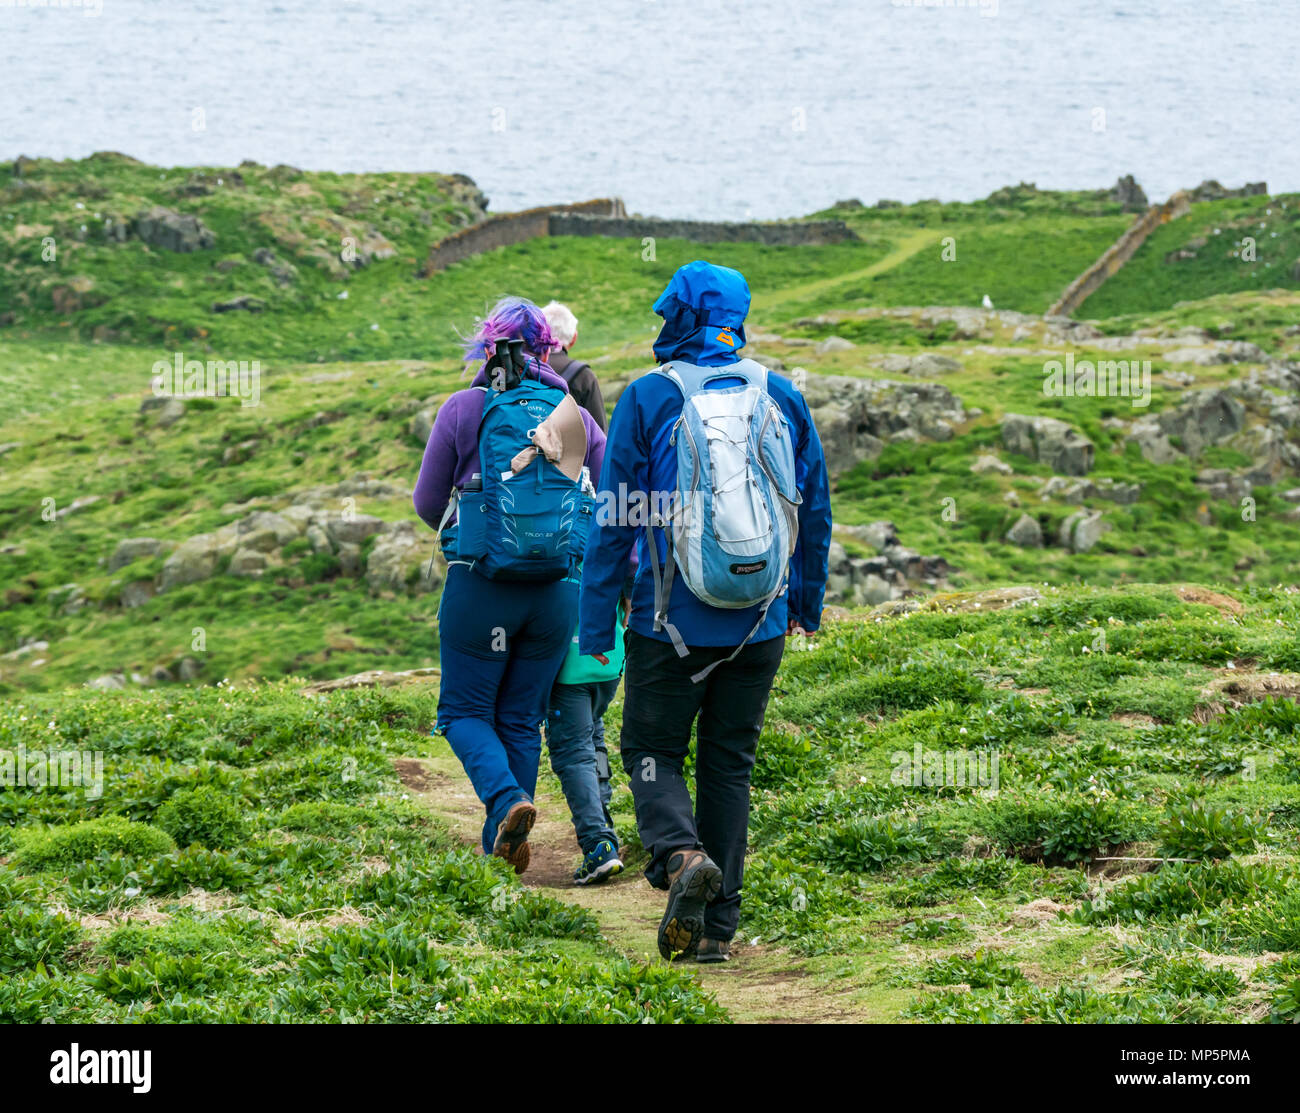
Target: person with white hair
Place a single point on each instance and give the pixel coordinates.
(579, 376)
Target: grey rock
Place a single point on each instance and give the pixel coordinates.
(299, 515)
(353, 529)
(1026, 533)
(988, 464)
(1125, 494)
(1204, 418)
(282, 272)
(69, 598)
(189, 668)
(349, 554)
(131, 549)
(238, 453)
(1082, 530)
(1155, 445)
(136, 594)
(1049, 441)
(195, 559)
(930, 363)
(172, 231)
(395, 555)
(257, 541)
(319, 540)
(1219, 483)
(110, 682)
(281, 528)
(879, 535)
(835, 344)
(172, 411)
(874, 589)
(1204, 356)
(855, 416)
(248, 562)
(1129, 194)
(370, 488)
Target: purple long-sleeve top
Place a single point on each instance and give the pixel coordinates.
(451, 456)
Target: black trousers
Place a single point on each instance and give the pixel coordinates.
(660, 704)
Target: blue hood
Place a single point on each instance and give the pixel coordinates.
(704, 308)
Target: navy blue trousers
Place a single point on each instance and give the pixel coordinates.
(501, 647)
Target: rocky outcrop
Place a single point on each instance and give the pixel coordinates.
(855, 418)
(926, 365)
(893, 573)
(172, 231)
(262, 541)
(1203, 418)
(1210, 190)
(398, 557)
(1025, 532)
(1049, 441)
(1082, 530)
(133, 548)
(1129, 194)
(1077, 490)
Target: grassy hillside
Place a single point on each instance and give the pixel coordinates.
(1206, 253)
(259, 854)
(209, 558)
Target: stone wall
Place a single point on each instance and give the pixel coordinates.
(509, 228)
(607, 217)
(792, 234)
(1119, 253)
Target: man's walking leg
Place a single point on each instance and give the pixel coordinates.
(731, 720)
(659, 706)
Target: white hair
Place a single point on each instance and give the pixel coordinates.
(564, 325)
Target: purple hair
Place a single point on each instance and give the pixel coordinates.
(511, 318)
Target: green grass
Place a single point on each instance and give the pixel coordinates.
(332, 897)
(1215, 231)
(338, 898)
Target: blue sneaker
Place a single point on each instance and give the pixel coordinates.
(599, 865)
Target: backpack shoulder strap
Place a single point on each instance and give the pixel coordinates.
(689, 378)
(572, 370)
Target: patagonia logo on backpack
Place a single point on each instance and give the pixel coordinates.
(733, 522)
(532, 525)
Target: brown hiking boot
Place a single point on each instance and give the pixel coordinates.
(512, 835)
(693, 883)
(713, 950)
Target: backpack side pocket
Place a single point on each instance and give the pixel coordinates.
(471, 527)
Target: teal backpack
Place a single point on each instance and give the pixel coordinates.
(529, 526)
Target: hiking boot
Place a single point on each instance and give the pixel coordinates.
(693, 883)
(713, 950)
(512, 835)
(600, 865)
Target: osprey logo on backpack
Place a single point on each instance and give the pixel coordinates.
(734, 519)
(527, 526)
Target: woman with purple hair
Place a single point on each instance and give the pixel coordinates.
(502, 641)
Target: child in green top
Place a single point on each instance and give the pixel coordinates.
(575, 737)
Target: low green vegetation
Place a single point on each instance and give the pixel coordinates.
(302, 885)
(1082, 807)
(972, 856)
(1221, 247)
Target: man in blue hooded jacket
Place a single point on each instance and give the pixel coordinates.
(697, 854)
